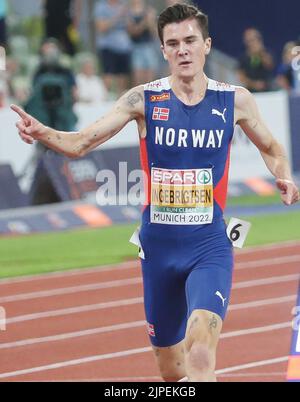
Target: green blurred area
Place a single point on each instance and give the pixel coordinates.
(42, 253)
(253, 199)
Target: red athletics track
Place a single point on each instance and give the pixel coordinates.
(88, 325)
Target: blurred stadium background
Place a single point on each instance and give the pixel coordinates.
(49, 215)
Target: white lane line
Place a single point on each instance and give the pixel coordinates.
(253, 374)
(72, 335)
(131, 265)
(128, 302)
(71, 290)
(271, 246)
(76, 362)
(263, 302)
(159, 379)
(130, 352)
(111, 379)
(131, 281)
(267, 262)
(257, 330)
(130, 325)
(266, 281)
(134, 264)
(74, 310)
(253, 364)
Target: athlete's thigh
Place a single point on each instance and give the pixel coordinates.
(164, 292)
(208, 285)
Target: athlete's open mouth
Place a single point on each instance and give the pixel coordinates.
(185, 63)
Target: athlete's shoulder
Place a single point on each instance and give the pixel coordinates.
(242, 97)
(159, 85)
(132, 102)
(244, 104)
(214, 85)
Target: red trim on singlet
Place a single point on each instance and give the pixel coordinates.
(220, 191)
(145, 168)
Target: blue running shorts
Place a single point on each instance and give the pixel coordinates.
(181, 274)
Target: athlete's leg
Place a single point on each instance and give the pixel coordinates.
(165, 303)
(202, 335)
(208, 289)
(171, 361)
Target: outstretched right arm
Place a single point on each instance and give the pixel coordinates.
(76, 144)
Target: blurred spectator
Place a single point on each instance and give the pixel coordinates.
(51, 102)
(3, 90)
(286, 76)
(91, 88)
(17, 83)
(256, 66)
(113, 43)
(62, 22)
(3, 12)
(54, 90)
(142, 29)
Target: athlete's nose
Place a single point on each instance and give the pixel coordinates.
(182, 48)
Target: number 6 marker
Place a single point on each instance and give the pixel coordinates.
(237, 231)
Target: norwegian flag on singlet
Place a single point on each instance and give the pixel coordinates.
(160, 113)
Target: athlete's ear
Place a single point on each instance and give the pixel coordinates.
(163, 52)
(207, 45)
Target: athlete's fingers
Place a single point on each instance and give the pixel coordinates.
(27, 139)
(20, 126)
(23, 129)
(296, 197)
(21, 113)
(290, 194)
(22, 133)
(282, 185)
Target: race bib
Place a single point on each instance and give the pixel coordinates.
(181, 197)
(237, 231)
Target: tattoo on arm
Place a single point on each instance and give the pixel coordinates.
(134, 98)
(255, 124)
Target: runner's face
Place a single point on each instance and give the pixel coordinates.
(184, 48)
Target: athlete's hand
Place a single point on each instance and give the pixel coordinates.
(30, 129)
(288, 191)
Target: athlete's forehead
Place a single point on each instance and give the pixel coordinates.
(182, 30)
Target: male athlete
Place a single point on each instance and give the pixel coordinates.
(185, 123)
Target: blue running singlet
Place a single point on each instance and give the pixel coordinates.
(188, 257)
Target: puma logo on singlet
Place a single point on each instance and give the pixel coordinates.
(215, 111)
(221, 297)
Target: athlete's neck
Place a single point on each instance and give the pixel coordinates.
(191, 90)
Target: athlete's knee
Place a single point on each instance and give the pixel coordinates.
(204, 328)
(171, 373)
(200, 357)
(171, 377)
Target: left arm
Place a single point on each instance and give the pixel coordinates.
(249, 119)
